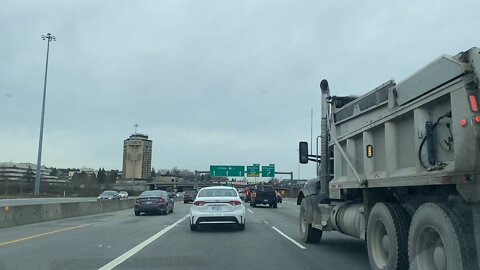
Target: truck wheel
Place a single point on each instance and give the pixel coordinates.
(309, 234)
(387, 236)
(440, 237)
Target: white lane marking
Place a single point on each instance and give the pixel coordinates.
(250, 211)
(140, 246)
(289, 238)
(266, 222)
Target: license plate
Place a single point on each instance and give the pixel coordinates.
(148, 203)
(265, 200)
(216, 208)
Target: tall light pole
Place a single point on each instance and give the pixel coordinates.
(49, 37)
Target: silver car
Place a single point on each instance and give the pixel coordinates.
(217, 205)
(123, 194)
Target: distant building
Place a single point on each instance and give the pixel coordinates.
(137, 157)
(17, 172)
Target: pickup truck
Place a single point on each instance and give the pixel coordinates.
(263, 195)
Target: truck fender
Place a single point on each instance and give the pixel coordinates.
(311, 187)
(311, 203)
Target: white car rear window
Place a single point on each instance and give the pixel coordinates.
(217, 193)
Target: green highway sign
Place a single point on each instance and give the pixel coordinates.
(253, 171)
(268, 171)
(226, 170)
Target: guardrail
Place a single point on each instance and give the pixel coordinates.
(25, 214)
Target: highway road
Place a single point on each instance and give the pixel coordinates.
(28, 201)
(120, 240)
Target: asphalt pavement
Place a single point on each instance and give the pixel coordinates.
(120, 240)
(29, 201)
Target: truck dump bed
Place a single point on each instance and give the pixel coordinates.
(424, 130)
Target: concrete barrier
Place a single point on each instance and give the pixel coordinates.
(25, 214)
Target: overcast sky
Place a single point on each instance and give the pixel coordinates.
(210, 82)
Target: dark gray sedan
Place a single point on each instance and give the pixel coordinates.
(153, 201)
(108, 195)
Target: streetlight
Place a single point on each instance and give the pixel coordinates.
(49, 37)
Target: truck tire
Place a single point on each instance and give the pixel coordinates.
(309, 234)
(440, 237)
(193, 227)
(387, 236)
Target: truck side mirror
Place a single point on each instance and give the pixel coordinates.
(303, 152)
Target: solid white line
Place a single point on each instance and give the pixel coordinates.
(289, 238)
(266, 222)
(140, 246)
(250, 211)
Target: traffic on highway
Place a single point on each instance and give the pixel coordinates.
(121, 240)
(253, 134)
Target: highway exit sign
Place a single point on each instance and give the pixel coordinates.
(253, 171)
(227, 170)
(268, 171)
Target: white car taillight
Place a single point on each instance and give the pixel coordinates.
(235, 202)
(199, 203)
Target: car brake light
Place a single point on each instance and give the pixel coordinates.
(473, 103)
(477, 119)
(161, 200)
(199, 203)
(234, 203)
(137, 200)
(463, 122)
(254, 194)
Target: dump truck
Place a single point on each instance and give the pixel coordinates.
(399, 167)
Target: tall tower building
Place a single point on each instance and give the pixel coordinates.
(137, 157)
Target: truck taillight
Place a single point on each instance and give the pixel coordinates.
(477, 119)
(473, 102)
(199, 203)
(234, 203)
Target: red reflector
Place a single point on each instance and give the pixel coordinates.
(473, 103)
(234, 202)
(477, 119)
(199, 203)
(463, 122)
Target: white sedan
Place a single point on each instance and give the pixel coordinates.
(123, 194)
(217, 205)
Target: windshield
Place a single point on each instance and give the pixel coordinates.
(240, 134)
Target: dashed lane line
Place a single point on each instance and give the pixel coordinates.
(140, 246)
(289, 238)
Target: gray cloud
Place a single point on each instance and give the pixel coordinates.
(208, 81)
